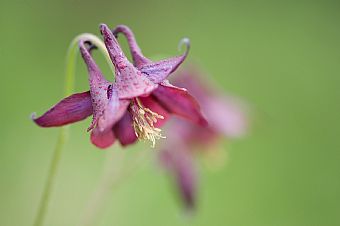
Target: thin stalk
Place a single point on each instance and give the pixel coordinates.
(41, 214)
(63, 134)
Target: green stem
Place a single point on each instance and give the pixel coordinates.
(39, 220)
(63, 135)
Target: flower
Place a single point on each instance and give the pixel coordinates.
(127, 108)
(226, 118)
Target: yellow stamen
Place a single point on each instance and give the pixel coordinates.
(143, 122)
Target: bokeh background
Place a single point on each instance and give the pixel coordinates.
(282, 57)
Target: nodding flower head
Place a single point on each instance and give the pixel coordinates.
(135, 105)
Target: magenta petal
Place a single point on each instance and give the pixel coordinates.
(113, 112)
(71, 109)
(178, 101)
(99, 86)
(102, 135)
(180, 165)
(131, 83)
(154, 71)
(124, 130)
(186, 179)
(107, 107)
(95, 75)
(102, 139)
(227, 116)
(137, 56)
(160, 70)
(129, 80)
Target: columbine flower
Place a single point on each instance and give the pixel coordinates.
(226, 118)
(124, 109)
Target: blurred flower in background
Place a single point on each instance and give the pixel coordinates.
(227, 118)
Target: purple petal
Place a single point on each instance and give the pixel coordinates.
(160, 70)
(180, 165)
(138, 58)
(102, 139)
(98, 85)
(113, 112)
(124, 131)
(95, 75)
(107, 107)
(178, 101)
(189, 134)
(71, 109)
(129, 81)
(102, 135)
(226, 116)
(154, 71)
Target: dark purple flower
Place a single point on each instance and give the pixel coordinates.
(226, 117)
(125, 109)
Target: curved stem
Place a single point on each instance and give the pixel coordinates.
(63, 135)
(72, 57)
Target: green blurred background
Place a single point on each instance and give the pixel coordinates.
(282, 57)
